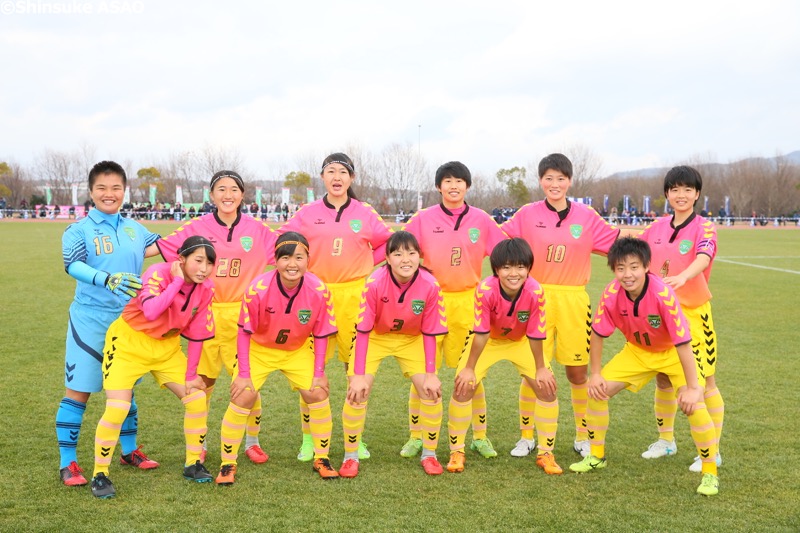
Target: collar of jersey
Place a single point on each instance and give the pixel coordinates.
(100, 217)
(450, 213)
(561, 214)
(680, 227)
(641, 295)
(339, 212)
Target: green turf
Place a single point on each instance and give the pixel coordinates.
(756, 317)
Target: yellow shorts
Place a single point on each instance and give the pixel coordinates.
(130, 354)
(635, 366)
(460, 310)
(221, 350)
(496, 350)
(408, 350)
(704, 337)
(296, 365)
(568, 314)
(346, 305)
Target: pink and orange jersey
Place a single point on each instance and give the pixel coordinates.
(243, 251)
(189, 314)
(562, 248)
(341, 242)
(284, 319)
(510, 318)
(454, 243)
(414, 308)
(654, 321)
(674, 249)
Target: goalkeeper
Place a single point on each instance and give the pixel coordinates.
(104, 252)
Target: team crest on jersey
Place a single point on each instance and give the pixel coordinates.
(684, 247)
(304, 315)
(575, 230)
(355, 225)
(474, 235)
(417, 306)
(130, 232)
(654, 321)
(247, 243)
(523, 316)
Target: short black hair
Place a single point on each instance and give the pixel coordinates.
(453, 169)
(198, 241)
(627, 247)
(107, 167)
(558, 162)
(513, 252)
(400, 240)
(683, 175)
(291, 238)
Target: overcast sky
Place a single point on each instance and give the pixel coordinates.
(494, 84)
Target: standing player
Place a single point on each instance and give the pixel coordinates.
(176, 301)
(563, 236)
(245, 248)
(683, 248)
(402, 312)
(509, 311)
(646, 311)
(348, 238)
(454, 238)
(104, 252)
(281, 312)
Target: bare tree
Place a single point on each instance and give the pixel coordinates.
(401, 172)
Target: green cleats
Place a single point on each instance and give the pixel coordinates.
(483, 447)
(306, 452)
(709, 486)
(590, 463)
(363, 452)
(411, 448)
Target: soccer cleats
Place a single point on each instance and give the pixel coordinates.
(660, 448)
(349, 468)
(431, 466)
(227, 475)
(72, 475)
(363, 452)
(582, 447)
(197, 473)
(411, 448)
(588, 464)
(256, 454)
(697, 465)
(306, 452)
(456, 462)
(103, 488)
(323, 467)
(483, 447)
(138, 459)
(523, 448)
(709, 486)
(547, 462)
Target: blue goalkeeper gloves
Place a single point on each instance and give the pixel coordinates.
(124, 285)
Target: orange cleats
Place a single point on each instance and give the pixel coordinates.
(256, 454)
(349, 468)
(432, 467)
(226, 476)
(323, 467)
(138, 459)
(456, 463)
(72, 475)
(547, 462)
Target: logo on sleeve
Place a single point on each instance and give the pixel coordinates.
(247, 243)
(523, 316)
(355, 225)
(304, 315)
(130, 232)
(474, 235)
(575, 230)
(417, 306)
(684, 247)
(654, 321)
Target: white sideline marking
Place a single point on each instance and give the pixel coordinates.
(758, 266)
(762, 257)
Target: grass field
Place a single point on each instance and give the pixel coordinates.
(756, 315)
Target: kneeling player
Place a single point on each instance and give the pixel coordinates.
(509, 325)
(647, 312)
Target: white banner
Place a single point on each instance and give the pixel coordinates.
(75, 194)
(285, 195)
(127, 198)
(178, 194)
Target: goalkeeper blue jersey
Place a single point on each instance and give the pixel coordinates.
(110, 243)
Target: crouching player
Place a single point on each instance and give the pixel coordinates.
(402, 312)
(176, 299)
(509, 325)
(648, 314)
(282, 311)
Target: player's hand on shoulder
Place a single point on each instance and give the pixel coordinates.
(124, 284)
